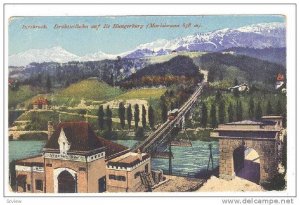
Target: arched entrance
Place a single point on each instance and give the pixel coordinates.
(66, 182)
(247, 164)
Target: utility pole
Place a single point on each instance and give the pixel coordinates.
(170, 156)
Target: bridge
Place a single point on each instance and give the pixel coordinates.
(159, 140)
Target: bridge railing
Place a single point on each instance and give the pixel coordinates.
(160, 135)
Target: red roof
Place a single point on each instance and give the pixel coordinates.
(82, 138)
(280, 77)
(41, 101)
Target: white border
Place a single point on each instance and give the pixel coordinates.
(96, 10)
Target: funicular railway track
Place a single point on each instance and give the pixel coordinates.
(160, 136)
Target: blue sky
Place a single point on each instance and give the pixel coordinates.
(115, 41)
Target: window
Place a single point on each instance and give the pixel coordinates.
(49, 165)
(147, 168)
(136, 175)
(39, 185)
(28, 187)
(121, 178)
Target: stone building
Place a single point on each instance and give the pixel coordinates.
(75, 160)
(124, 172)
(261, 139)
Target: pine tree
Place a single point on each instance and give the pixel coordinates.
(151, 116)
(164, 112)
(269, 110)
(213, 116)
(230, 113)
(101, 117)
(129, 116)
(239, 111)
(144, 116)
(251, 108)
(203, 117)
(221, 112)
(108, 119)
(136, 116)
(279, 110)
(236, 90)
(122, 114)
(258, 111)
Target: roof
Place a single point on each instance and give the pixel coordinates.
(272, 117)
(111, 147)
(31, 161)
(128, 160)
(245, 122)
(82, 138)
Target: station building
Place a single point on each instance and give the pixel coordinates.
(75, 160)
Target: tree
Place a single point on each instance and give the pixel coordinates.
(82, 112)
(218, 95)
(48, 84)
(136, 116)
(239, 111)
(279, 108)
(251, 108)
(230, 112)
(269, 109)
(129, 116)
(258, 111)
(213, 116)
(108, 119)
(151, 116)
(221, 112)
(203, 117)
(122, 114)
(236, 90)
(144, 116)
(101, 117)
(164, 112)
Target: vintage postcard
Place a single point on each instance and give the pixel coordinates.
(154, 104)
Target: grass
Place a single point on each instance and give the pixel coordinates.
(142, 94)
(24, 92)
(164, 58)
(90, 90)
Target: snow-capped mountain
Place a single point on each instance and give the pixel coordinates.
(259, 36)
(96, 56)
(55, 54)
(265, 35)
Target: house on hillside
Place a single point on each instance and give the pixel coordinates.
(40, 103)
(241, 88)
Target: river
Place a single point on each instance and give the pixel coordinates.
(188, 161)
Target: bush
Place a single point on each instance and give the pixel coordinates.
(277, 183)
(34, 136)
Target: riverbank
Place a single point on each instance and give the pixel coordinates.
(214, 184)
(179, 184)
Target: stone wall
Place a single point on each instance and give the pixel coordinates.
(266, 149)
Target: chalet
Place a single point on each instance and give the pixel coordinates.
(75, 160)
(241, 88)
(40, 103)
(279, 81)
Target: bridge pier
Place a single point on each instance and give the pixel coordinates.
(170, 158)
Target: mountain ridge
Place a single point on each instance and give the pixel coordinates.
(258, 36)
